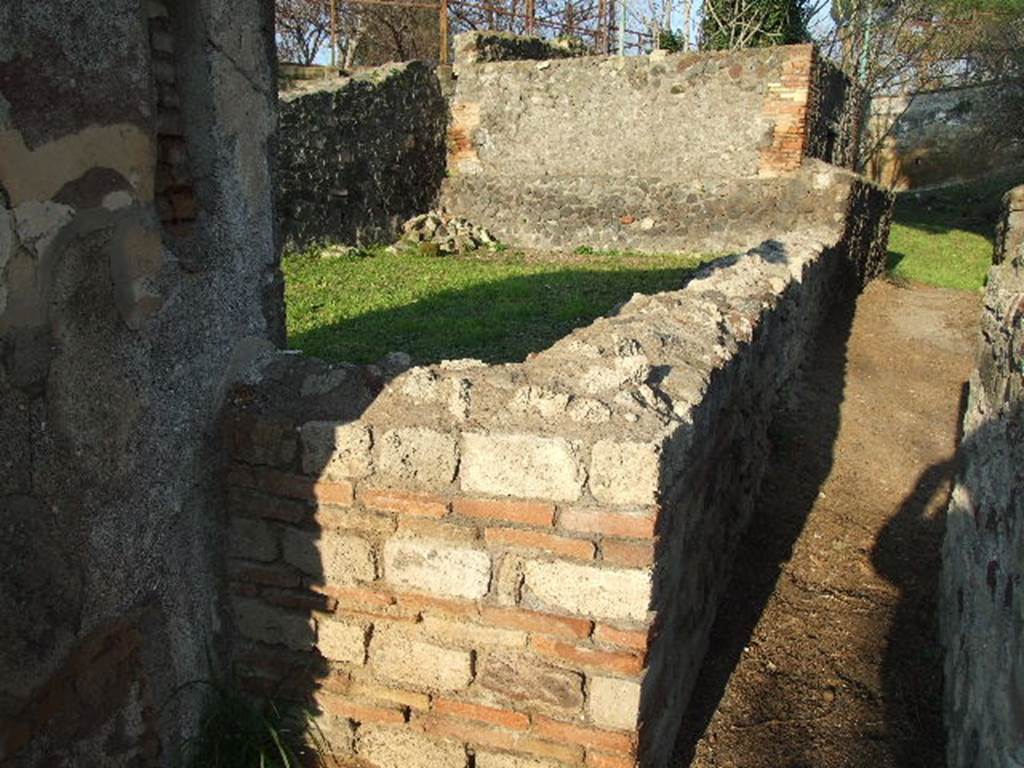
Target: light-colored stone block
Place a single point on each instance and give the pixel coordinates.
(405, 748)
(412, 663)
(341, 641)
(418, 456)
(614, 703)
(625, 473)
(501, 760)
(526, 466)
(336, 451)
(267, 624)
(437, 566)
(608, 593)
(471, 635)
(331, 556)
(337, 732)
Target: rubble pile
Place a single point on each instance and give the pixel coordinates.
(437, 234)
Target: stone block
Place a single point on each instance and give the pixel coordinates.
(502, 760)
(418, 456)
(329, 556)
(613, 703)
(402, 748)
(338, 732)
(526, 466)
(465, 634)
(412, 663)
(610, 593)
(436, 566)
(259, 621)
(625, 473)
(252, 540)
(523, 680)
(336, 451)
(341, 641)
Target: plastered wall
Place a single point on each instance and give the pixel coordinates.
(138, 275)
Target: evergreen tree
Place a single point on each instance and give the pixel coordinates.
(730, 24)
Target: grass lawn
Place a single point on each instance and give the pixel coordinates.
(497, 307)
(944, 237)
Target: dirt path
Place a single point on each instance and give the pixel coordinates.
(826, 643)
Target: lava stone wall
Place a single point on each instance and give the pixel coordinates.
(982, 603)
(138, 273)
(692, 151)
(358, 156)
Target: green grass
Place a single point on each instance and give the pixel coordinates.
(497, 307)
(240, 732)
(944, 237)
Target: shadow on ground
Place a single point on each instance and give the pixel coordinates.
(802, 454)
(498, 321)
(908, 554)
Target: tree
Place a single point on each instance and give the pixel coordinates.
(730, 24)
(396, 33)
(901, 48)
(303, 28)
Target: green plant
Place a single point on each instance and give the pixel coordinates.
(670, 41)
(731, 24)
(944, 236)
(241, 732)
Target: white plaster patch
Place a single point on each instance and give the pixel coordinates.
(38, 223)
(118, 199)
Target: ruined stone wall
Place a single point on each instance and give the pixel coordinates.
(137, 266)
(982, 604)
(523, 560)
(666, 152)
(358, 156)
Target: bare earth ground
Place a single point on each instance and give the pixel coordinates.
(826, 643)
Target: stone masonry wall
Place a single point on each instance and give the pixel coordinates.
(522, 562)
(649, 151)
(836, 112)
(656, 215)
(138, 272)
(982, 603)
(357, 156)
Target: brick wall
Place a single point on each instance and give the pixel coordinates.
(522, 562)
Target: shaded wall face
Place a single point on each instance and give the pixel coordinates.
(982, 605)
(934, 138)
(137, 264)
(358, 156)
